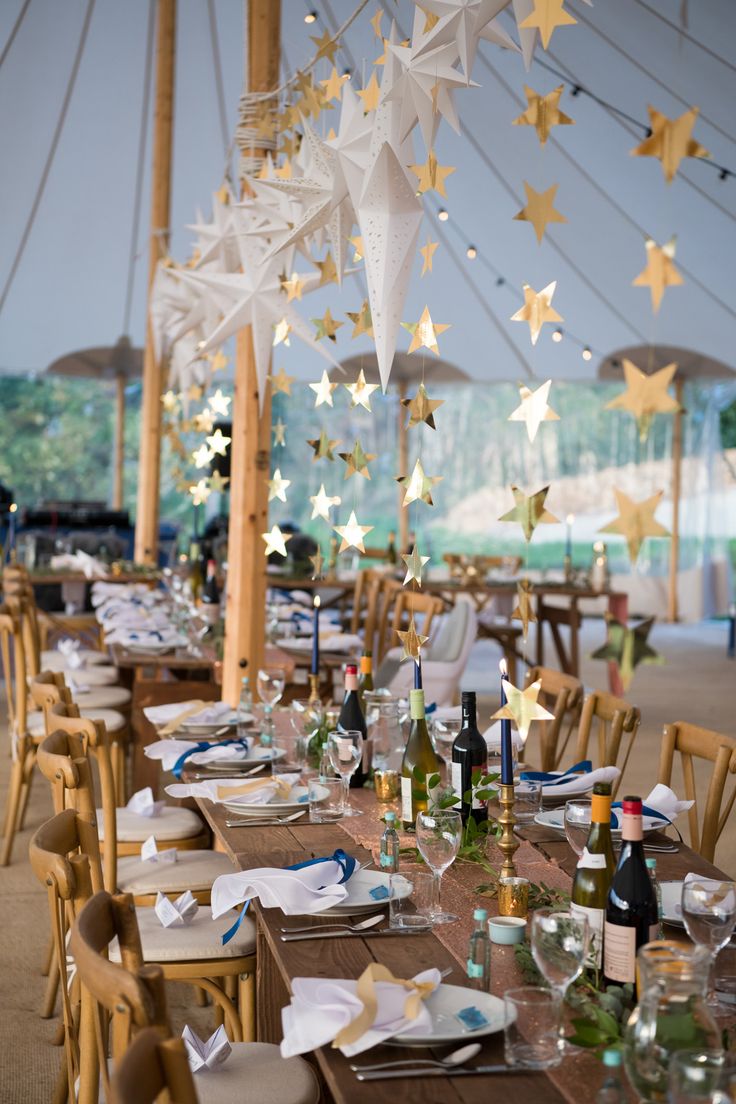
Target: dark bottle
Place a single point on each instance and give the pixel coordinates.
(391, 556)
(595, 872)
(211, 593)
(351, 719)
(469, 753)
(632, 914)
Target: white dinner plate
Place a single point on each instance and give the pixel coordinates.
(671, 907)
(298, 799)
(198, 728)
(257, 755)
(577, 786)
(443, 1006)
(141, 648)
(359, 898)
(555, 818)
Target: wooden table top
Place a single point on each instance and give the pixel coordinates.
(181, 659)
(47, 577)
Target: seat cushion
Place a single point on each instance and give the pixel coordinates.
(172, 823)
(255, 1073)
(192, 870)
(101, 674)
(114, 722)
(200, 939)
(53, 660)
(101, 697)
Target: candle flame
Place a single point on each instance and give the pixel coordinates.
(317, 601)
(503, 668)
(570, 519)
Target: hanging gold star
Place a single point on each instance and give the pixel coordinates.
(431, 176)
(635, 521)
(428, 252)
(200, 492)
(352, 534)
(362, 321)
(414, 564)
(202, 456)
(323, 447)
(326, 46)
(537, 309)
(627, 648)
(370, 95)
(522, 707)
(376, 23)
(277, 486)
(327, 269)
(645, 395)
(323, 390)
(333, 84)
(524, 608)
(543, 112)
(285, 171)
(293, 286)
(218, 361)
(357, 244)
(322, 503)
(539, 209)
(279, 434)
(276, 541)
(317, 562)
(170, 402)
(660, 271)
(281, 331)
(421, 408)
(326, 327)
(418, 485)
(546, 17)
(671, 140)
(529, 511)
(357, 461)
(360, 391)
(204, 422)
(281, 382)
(411, 642)
(290, 144)
(425, 332)
(218, 442)
(223, 194)
(533, 409)
(195, 392)
(218, 482)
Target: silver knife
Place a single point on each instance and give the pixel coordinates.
(353, 935)
(397, 1075)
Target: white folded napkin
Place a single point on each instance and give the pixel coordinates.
(248, 792)
(602, 774)
(80, 561)
(492, 737)
(76, 685)
(146, 638)
(150, 852)
(169, 752)
(329, 642)
(212, 713)
(142, 802)
(178, 913)
(102, 590)
(69, 648)
(206, 1054)
(666, 802)
(311, 889)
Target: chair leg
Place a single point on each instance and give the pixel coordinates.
(26, 789)
(15, 790)
(50, 959)
(61, 1088)
(52, 991)
(247, 1006)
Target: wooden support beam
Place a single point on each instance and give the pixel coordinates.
(119, 444)
(146, 528)
(672, 603)
(403, 542)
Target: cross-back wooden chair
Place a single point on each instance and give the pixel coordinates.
(22, 746)
(366, 582)
(691, 743)
(606, 720)
(562, 695)
(150, 1066)
(406, 604)
(378, 610)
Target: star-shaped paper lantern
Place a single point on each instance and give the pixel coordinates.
(326, 327)
(626, 647)
(539, 209)
(326, 46)
(543, 112)
(279, 434)
(200, 492)
(293, 286)
(421, 408)
(219, 404)
(322, 503)
(414, 564)
(428, 251)
(423, 88)
(281, 382)
(530, 511)
(645, 395)
(546, 17)
(276, 541)
(218, 442)
(534, 409)
(317, 562)
(524, 608)
(671, 140)
(537, 309)
(277, 486)
(418, 485)
(357, 461)
(370, 95)
(660, 271)
(460, 24)
(353, 534)
(411, 642)
(219, 482)
(522, 707)
(323, 447)
(431, 176)
(202, 456)
(360, 391)
(425, 332)
(635, 521)
(362, 321)
(323, 390)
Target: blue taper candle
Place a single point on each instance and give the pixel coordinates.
(315, 637)
(507, 751)
(418, 674)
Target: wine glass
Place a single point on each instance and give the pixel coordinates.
(577, 823)
(709, 912)
(438, 836)
(345, 751)
(559, 948)
(304, 718)
(270, 685)
(702, 1077)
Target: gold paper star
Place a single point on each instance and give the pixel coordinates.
(323, 447)
(533, 409)
(431, 176)
(522, 707)
(323, 390)
(524, 609)
(362, 321)
(418, 485)
(333, 85)
(277, 486)
(293, 286)
(546, 17)
(543, 112)
(219, 403)
(219, 482)
(425, 332)
(357, 244)
(539, 209)
(200, 492)
(357, 461)
(285, 171)
(411, 642)
(276, 541)
(421, 408)
(635, 521)
(370, 95)
(627, 648)
(281, 331)
(376, 23)
(281, 382)
(195, 392)
(671, 140)
(645, 395)
(660, 271)
(529, 511)
(360, 391)
(326, 327)
(327, 269)
(326, 46)
(317, 561)
(537, 309)
(218, 361)
(290, 144)
(170, 401)
(322, 503)
(428, 252)
(202, 456)
(414, 564)
(204, 422)
(279, 434)
(352, 534)
(218, 442)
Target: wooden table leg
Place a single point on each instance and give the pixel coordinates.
(618, 607)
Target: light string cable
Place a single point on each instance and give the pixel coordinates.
(14, 30)
(219, 84)
(134, 252)
(684, 33)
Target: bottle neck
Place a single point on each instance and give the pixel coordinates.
(631, 829)
(366, 665)
(600, 811)
(351, 683)
(469, 713)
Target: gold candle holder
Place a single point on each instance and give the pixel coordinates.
(508, 842)
(314, 698)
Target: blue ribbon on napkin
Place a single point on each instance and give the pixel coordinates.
(645, 809)
(344, 861)
(583, 767)
(204, 745)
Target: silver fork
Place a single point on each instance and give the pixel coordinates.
(244, 822)
(209, 776)
(361, 926)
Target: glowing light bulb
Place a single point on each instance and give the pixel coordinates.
(471, 252)
(587, 355)
(557, 335)
(442, 215)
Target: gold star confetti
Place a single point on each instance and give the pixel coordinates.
(204, 422)
(411, 642)
(323, 447)
(421, 408)
(323, 390)
(219, 482)
(546, 17)
(360, 391)
(326, 46)
(218, 442)
(218, 361)
(418, 485)
(428, 252)
(357, 244)
(281, 331)
(276, 541)
(200, 492)
(322, 503)
(317, 562)
(370, 95)
(357, 461)
(543, 112)
(281, 382)
(660, 271)
(539, 209)
(326, 327)
(170, 402)
(537, 309)
(352, 534)
(431, 176)
(533, 409)
(333, 85)
(627, 648)
(293, 286)
(362, 321)
(529, 511)
(522, 707)
(524, 609)
(425, 332)
(327, 271)
(671, 140)
(414, 564)
(645, 395)
(277, 486)
(219, 403)
(202, 456)
(279, 434)
(636, 522)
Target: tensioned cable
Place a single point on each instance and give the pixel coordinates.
(217, 66)
(51, 154)
(14, 31)
(142, 142)
(683, 33)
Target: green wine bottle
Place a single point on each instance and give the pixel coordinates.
(594, 873)
(417, 753)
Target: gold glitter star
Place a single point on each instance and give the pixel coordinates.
(326, 327)
(357, 461)
(322, 503)
(635, 521)
(376, 23)
(200, 492)
(539, 209)
(431, 176)
(353, 534)
(543, 112)
(279, 434)
(170, 402)
(546, 17)
(428, 252)
(671, 140)
(327, 270)
(195, 392)
(218, 361)
(323, 447)
(293, 286)
(360, 391)
(529, 511)
(645, 395)
(370, 95)
(290, 144)
(660, 271)
(537, 309)
(202, 456)
(522, 707)
(281, 331)
(524, 609)
(333, 84)
(277, 486)
(281, 382)
(425, 332)
(219, 403)
(418, 485)
(323, 390)
(411, 642)
(421, 408)
(219, 482)
(218, 442)
(362, 321)
(414, 564)
(357, 244)
(317, 562)
(534, 409)
(326, 46)
(627, 648)
(276, 541)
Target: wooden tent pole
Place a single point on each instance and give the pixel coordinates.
(146, 529)
(403, 543)
(672, 606)
(250, 448)
(119, 446)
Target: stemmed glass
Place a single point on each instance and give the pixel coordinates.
(438, 835)
(345, 751)
(577, 823)
(559, 948)
(304, 718)
(709, 911)
(270, 685)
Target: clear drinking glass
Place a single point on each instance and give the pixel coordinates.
(559, 948)
(438, 838)
(702, 1077)
(444, 733)
(304, 718)
(577, 823)
(345, 751)
(709, 913)
(270, 685)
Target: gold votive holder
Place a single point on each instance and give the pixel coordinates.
(513, 897)
(507, 843)
(314, 697)
(387, 784)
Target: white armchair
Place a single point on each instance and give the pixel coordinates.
(443, 659)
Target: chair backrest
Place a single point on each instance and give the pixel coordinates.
(615, 718)
(366, 584)
(407, 604)
(562, 695)
(23, 601)
(152, 1065)
(691, 743)
(451, 639)
(377, 626)
(13, 656)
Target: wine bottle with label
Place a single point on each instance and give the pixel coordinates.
(351, 719)
(211, 594)
(469, 753)
(417, 753)
(632, 916)
(365, 679)
(594, 873)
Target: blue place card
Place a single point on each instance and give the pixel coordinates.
(379, 893)
(472, 1018)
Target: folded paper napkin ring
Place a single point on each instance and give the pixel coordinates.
(366, 991)
(283, 789)
(173, 724)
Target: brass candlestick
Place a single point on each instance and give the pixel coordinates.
(314, 698)
(508, 842)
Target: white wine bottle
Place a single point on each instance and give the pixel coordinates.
(594, 873)
(417, 753)
(632, 916)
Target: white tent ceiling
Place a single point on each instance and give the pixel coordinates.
(70, 288)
